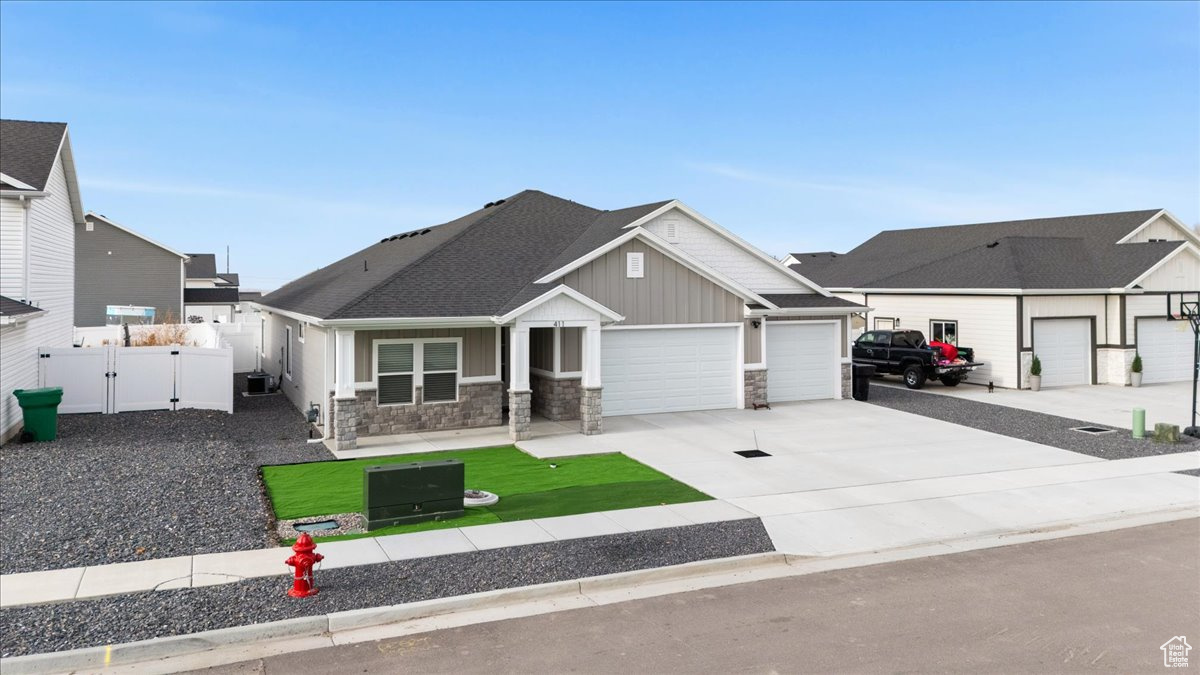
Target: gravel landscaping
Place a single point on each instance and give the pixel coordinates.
(88, 623)
(117, 488)
(1024, 424)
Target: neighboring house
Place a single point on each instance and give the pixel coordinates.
(209, 295)
(125, 277)
(40, 208)
(540, 305)
(1084, 293)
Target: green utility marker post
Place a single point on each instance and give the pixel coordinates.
(1139, 422)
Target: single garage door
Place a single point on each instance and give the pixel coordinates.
(668, 369)
(1166, 348)
(1065, 349)
(801, 361)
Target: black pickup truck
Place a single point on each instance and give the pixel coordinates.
(905, 352)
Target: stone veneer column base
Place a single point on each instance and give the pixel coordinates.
(519, 412)
(847, 380)
(756, 387)
(591, 410)
(345, 423)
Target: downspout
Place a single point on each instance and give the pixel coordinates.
(25, 245)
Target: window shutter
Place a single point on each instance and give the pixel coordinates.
(633, 266)
(395, 389)
(441, 356)
(395, 358)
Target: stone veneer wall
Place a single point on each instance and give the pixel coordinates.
(591, 411)
(555, 400)
(1113, 364)
(847, 380)
(478, 405)
(345, 423)
(519, 415)
(756, 387)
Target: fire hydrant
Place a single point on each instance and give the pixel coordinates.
(303, 560)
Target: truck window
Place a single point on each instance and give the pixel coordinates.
(884, 339)
(902, 340)
(866, 339)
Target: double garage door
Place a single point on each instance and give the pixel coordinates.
(1166, 348)
(669, 369)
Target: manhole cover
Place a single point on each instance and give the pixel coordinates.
(750, 454)
(1093, 430)
(316, 526)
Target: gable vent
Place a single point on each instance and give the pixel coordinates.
(672, 230)
(634, 268)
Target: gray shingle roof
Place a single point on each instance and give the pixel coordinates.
(230, 278)
(212, 296)
(479, 265)
(10, 307)
(1073, 252)
(28, 150)
(201, 266)
(806, 300)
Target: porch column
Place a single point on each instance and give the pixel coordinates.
(346, 409)
(590, 406)
(519, 394)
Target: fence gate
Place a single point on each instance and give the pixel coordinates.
(114, 379)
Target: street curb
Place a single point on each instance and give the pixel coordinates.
(98, 658)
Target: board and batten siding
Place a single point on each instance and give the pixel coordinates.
(1181, 273)
(50, 254)
(114, 267)
(723, 255)
(478, 348)
(1153, 305)
(988, 324)
(669, 292)
(1161, 228)
(1064, 306)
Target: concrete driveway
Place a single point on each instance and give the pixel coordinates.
(843, 476)
(1103, 404)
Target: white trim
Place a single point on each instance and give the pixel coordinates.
(751, 367)
(362, 386)
(283, 312)
(1195, 238)
(984, 291)
(478, 379)
(300, 331)
(635, 265)
(499, 367)
(418, 371)
(587, 257)
(288, 348)
(97, 216)
(22, 194)
(561, 289)
(803, 311)
(556, 350)
(20, 185)
(654, 326)
(739, 357)
(733, 238)
(1185, 246)
(22, 318)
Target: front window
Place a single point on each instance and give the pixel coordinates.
(440, 372)
(403, 365)
(394, 372)
(944, 331)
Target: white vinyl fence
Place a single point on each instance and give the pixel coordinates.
(244, 338)
(112, 379)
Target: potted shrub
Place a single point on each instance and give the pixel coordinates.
(1035, 374)
(1135, 371)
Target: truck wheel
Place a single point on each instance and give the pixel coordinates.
(914, 377)
(950, 380)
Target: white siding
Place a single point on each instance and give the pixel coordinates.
(12, 249)
(1045, 306)
(307, 381)
(1161, 228)
(51, 249)
(1181, 273)
(988, 324)
(1147, 306)
(724, 256)
(1110, 330)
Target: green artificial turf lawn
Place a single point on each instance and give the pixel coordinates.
(528, 487)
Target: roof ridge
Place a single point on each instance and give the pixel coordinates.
(1019, 220)
(10, 119)
(956, 254)
(495, 209)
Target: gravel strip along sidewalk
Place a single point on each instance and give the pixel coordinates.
(1190, 472)
(139, 485)
(1026, 425)
(89, 623)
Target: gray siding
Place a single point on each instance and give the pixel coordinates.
(668, 293)
(479, 348)
(753, 343)
(136, 272)
(572, 350)
(307, 382)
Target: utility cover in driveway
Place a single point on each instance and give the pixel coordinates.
(668, 369)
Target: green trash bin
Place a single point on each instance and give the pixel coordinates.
(40, 410)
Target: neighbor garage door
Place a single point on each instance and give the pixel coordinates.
(1166, 350)
(1065, 349)
(668, 369)
(801, 361)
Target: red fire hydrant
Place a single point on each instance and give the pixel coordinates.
(303, 560)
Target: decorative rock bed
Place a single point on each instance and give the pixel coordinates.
(347, 523)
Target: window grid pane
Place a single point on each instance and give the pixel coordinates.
(441, 356)
(396, 358)
(395, 389)
(440, 387)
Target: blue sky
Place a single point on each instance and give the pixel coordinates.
(297, 134)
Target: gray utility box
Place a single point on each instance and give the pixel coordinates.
(411, 493)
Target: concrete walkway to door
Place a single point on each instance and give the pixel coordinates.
(843, 476)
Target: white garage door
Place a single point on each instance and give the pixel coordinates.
(801, 361)
(668, 369)
(1166, 350)
(1065, 349)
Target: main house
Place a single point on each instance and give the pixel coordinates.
(1083, 293)
(122, 276)
(40, 208)
(539, 305)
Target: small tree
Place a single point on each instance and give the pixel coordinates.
(1137, 364)
(1035, 368)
